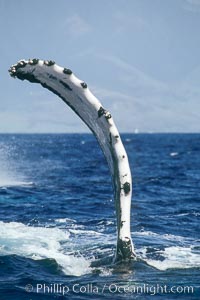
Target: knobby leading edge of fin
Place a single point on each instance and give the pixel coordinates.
(76, 94)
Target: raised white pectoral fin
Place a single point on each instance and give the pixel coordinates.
(75, 93)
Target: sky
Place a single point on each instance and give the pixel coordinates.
(141, 58)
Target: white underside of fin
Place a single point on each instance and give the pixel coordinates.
(75, 93)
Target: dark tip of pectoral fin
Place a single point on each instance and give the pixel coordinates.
(13, 69)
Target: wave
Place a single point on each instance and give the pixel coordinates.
(39, 243)
(159, 237)
(174, 257)
(168, 251)
(77, 249)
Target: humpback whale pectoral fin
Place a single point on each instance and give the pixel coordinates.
(76, 94)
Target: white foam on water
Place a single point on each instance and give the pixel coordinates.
(174, 153)
(39, 243)
(88, 232)
(54, 243)
(150, 235)
(64, 220)
(9, 182)
(174, 257)
(168, 251)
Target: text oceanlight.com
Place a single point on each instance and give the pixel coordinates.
(112, 288)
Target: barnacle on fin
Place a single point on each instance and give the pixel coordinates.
(33, 61)
(101, 112)
(126, 187)
(49, 63)
(84, 85)
(108, 116)
(67, 71)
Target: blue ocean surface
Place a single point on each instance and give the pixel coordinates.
(58, 222)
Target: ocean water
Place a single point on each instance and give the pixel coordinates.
(58, 223)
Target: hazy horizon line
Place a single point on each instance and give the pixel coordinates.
(90, 133)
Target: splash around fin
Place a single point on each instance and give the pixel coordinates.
(76, 94)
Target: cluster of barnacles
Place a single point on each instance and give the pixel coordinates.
(22, 63)
(102, 111)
